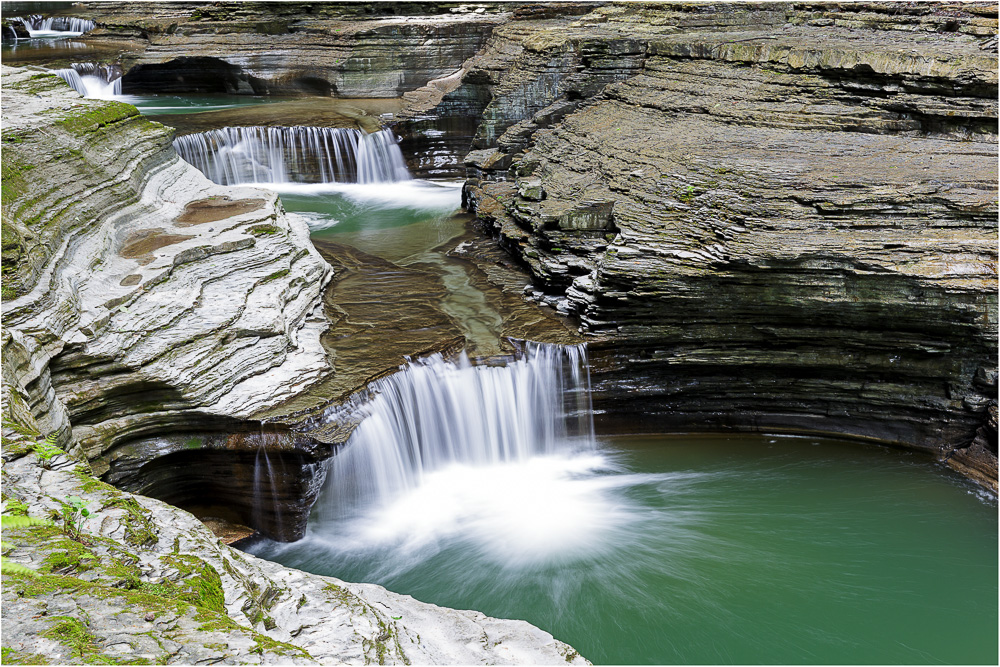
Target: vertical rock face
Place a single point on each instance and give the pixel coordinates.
(140, 299)
(778, 216)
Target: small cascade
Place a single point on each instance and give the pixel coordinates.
(247, 155)
(266, 511)
(435, 413)
(54, 26)
(102, 82)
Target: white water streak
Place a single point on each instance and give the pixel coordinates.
(101, 82)
(266, 155)
(54, 26)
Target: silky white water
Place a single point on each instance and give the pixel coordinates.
(501, 456)
(58, 26)
(102, 82)
(281, 155)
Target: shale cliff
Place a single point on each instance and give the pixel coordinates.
(777, 216)
(149, 312)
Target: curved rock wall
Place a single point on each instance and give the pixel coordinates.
(140, 299)
(779, 216)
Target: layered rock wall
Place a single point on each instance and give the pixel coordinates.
(775, 216)
(368, 50)
(140, 299)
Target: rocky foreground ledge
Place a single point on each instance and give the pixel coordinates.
(141, 299)
(146, 583)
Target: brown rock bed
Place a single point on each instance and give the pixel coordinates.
(215, 209)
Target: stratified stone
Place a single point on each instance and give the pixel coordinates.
(777, 223)
(142, 301)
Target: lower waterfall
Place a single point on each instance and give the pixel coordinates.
(437, 413)
(269, 155)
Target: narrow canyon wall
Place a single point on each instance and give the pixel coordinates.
(775, 216)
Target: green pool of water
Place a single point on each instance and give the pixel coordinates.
(163, 105)
(678, 550)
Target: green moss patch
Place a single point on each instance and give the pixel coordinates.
(263, 230)
(94, 117)
(139, 528)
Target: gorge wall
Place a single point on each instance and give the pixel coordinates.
(772, 217)
(776, 216)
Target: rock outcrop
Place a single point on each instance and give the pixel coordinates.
(778, 216)
(144, 306)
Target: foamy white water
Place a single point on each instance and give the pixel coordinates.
(503, 456)
(286, 155)
(102, 82)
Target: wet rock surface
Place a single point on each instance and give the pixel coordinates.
(783, 216)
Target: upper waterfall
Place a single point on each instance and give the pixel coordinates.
(247, 155)
(54, 26)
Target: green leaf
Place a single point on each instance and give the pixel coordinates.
(10, 567)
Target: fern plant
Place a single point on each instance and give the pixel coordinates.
(9, 522)
(47, 448)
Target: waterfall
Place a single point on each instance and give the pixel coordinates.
(55, 26)
(244, 155)
(435, 413)
(264, 491)
(91, 80)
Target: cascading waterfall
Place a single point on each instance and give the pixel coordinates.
(247, 155)
(436, 413)
(54, 26)
(92, 80)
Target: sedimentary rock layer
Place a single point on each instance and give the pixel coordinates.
(781, 216)
(141, 300)
(342, 49)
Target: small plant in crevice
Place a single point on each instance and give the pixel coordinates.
(73, 514)
(687, 194)
(47, 448)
